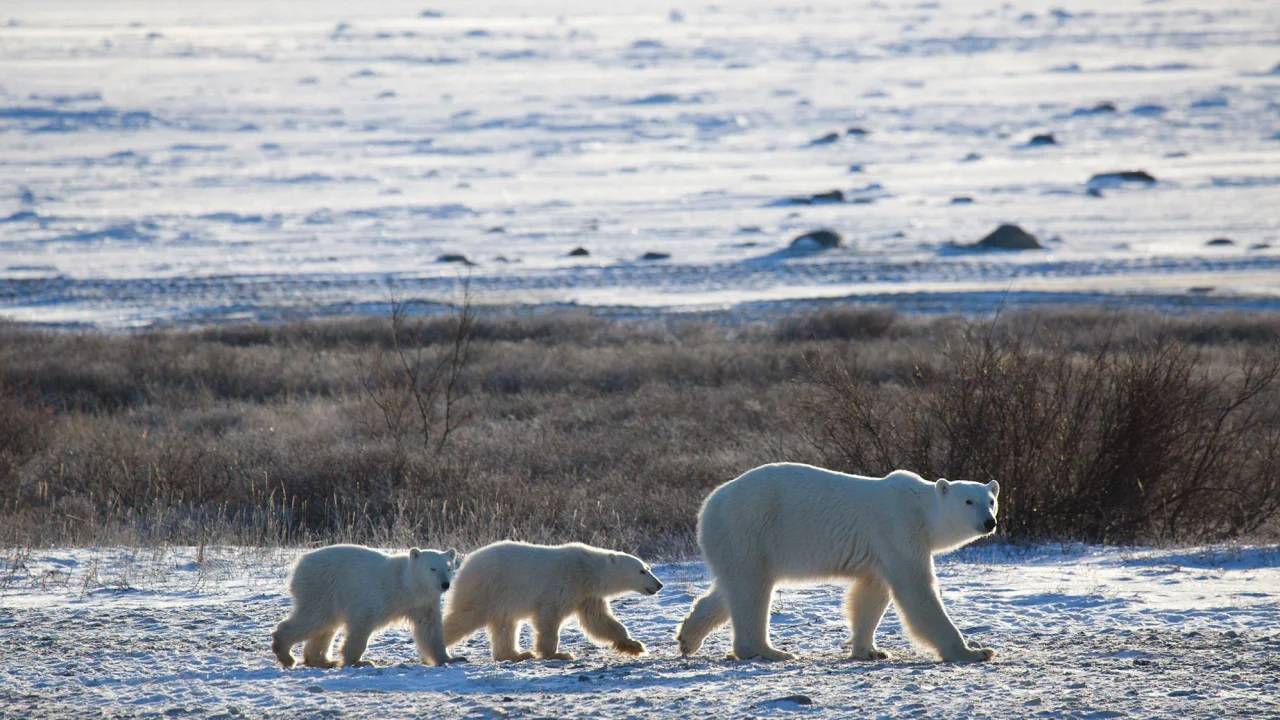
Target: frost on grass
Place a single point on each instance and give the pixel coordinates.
(1080, 631)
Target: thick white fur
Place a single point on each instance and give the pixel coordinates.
(502, 584)
(788, 522)
(364, 590)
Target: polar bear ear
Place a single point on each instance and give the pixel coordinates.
(994, 487)
(414, 553)
(451, 554)
(943, 486)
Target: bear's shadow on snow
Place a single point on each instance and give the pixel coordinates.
(577, 677)
(536, 677)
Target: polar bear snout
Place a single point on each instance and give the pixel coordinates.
(654, 587)
(989, 524)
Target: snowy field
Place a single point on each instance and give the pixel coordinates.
(199, 161)
(1079, 631)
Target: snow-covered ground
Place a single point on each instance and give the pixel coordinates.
(1080, 632)
(174, 162)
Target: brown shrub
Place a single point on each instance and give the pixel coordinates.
(1100, 426)
(842, 324)
(1150, 442)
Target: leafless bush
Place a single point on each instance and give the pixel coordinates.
(1107, 426)
(1150, 442)
(24, 432)
(421, 385)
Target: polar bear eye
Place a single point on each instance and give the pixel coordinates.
(968, 502)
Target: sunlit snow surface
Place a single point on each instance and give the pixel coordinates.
(199, 161)
(1079, 631)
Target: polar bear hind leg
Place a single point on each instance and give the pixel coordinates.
(316, 652)
(291, 631)
(708, 613)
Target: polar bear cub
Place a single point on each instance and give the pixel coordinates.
(798, 523)
(364, 590)
(502, 584)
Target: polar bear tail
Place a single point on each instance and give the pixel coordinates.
(708, 613)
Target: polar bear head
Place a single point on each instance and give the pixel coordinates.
(627, 573)
(430, 571)
(964, 511)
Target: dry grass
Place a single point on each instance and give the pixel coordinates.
(570, 427)
(1111, 436)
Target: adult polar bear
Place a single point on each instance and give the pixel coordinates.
(789, 522)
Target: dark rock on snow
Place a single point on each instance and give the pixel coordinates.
(655, 256)
(1009, 237)
(579, 252)
(825, 139)
(1042, 140)
(1221, 241)
(1102, 108)
(454, 258)
(829, 196)
(1121, 177)
(1150, 110)
(823, 239)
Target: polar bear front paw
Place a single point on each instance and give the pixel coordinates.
(766, 654)
(687, 646)
(773, 655)
(518, 657)
(629, 647)
(872, 654)
(973, 654)
(559, 656)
